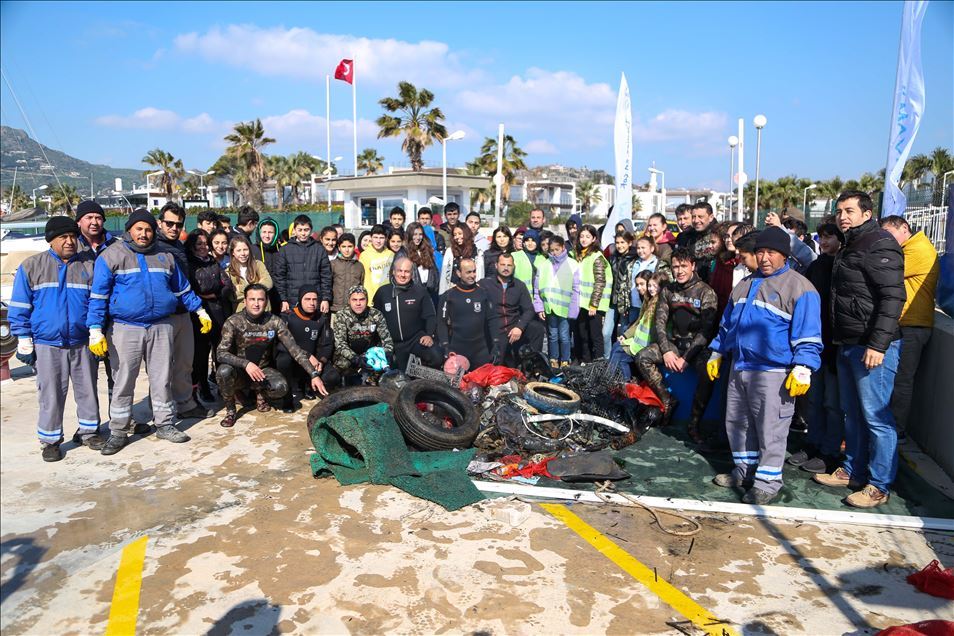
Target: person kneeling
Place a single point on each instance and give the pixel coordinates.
(247, 351)
(357, 329)
(311, 330)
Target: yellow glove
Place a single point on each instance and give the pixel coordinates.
(205, 323)
(712, 366)
(798, 381)
(97, 342)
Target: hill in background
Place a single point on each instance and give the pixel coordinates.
(19, 151)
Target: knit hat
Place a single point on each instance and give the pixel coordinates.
(357, 289)
(774, 238)
(88, 207)
(141, 215)
(533, 235)
(60, 225)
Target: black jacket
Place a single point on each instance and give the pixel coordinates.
(867, 288)
(410, 314)
(819, 274)
(513, 305)
(302, 264)
(466, 322)
(177, 249)
(312, 334)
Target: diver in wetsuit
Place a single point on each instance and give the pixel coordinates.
(466, 322)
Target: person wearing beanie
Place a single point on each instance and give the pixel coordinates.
(357, 329)
(51, 293)
(771, 328)
(138, 286)
(311, 330)
(410, 315)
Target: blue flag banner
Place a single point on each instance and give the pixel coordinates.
(908, 105)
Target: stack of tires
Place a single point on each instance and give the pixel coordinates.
(430, 414)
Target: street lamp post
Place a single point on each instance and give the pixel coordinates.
(663, 174)
(733, 142)
(42, 187)
(202, 176)
(454, 136)
(805, 200)
(327, 172)
(759, 122)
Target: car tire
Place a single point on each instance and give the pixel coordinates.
(345, 399)
(422, 433)
(551, 398)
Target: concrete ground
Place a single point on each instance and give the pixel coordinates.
(242, 540)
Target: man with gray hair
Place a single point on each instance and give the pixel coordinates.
(411, 318)
(467, 319)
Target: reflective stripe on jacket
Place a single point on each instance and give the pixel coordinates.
(50, 299)
(559, 284)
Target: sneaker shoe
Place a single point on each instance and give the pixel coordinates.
(730, 480)
(52, 453)
(196, 412)
(114, 444)
(817, 465)
(92, 441)
(172, 434)
(867, 497)
(757, 497)
(798, 459)
(229, 420)
(838, 478)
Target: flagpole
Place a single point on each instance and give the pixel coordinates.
(354, 112)
(328, 137)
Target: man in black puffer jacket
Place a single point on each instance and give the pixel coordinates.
(303, 261)
(411, 317)
(867, 295)
(311, 330)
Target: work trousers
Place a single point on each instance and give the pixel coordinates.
(183, 352)
(913, 341)
(232, 380)
(589, 335)
(648, 365)
(432, 356)
(129, 347)
(56, 367)
(532, 337)
(758, 412)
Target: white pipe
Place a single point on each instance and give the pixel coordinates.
(498, 195)
(694, 505)
(740, 202)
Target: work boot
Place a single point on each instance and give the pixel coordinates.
(288, 403)
(261, 403)
(229, 420)
(114, 444)
(197, 412)
(90, 440)
(757, 497)
(839, 478)
(731, 480)
(142, 428)
(172, 434)
(867, 497)
(554, 363)
(51, 452)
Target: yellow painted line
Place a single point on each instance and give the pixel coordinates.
(700, 617)
(125, 606)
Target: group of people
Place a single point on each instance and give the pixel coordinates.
(269, 314)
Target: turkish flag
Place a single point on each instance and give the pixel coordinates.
(345, 71)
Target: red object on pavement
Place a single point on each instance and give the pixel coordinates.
(923, 628)
(531, 469)
(491, 375)
(644, 395)
(345, 71)
(934, 580)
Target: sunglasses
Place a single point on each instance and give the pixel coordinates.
(172, 223)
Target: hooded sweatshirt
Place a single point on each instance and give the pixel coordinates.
(311, 331)
(267, 252)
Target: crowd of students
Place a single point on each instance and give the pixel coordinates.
(268, 315)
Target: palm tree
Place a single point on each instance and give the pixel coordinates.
(246, 142)
(637, 203)
(478, 196)
(370, 161)
(64, 197)
(587, 195)
(420, 124)
(171, 168)
(871, 183)
(301, 166)
(941, 162)
(512, 161)
(17, 198)
(189, 188)
(914, 170)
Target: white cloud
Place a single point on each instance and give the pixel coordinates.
(540, 147)
(681, 125)
(148, 118)
(202, 122)
(304, 53)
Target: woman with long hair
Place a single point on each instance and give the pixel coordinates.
(211, 284)
(219, 246)
(596, 284)
(640, 333)
(419, 250)
(461, 246)
(244, 270)
(500, 243)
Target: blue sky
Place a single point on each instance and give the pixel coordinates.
(107, 82)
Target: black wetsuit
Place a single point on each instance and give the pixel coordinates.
(466, 324)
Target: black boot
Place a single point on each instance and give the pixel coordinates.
(52, 453)
(92, 441)
(229, 420)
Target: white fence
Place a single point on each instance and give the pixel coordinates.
(931, 220)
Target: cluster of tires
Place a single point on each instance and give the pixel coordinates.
(448, 421)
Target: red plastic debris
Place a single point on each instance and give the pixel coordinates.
(491, 375)
(924, 628)
(513, 467)
(934, 580)
(644, 395)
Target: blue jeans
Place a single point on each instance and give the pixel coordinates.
(609, 329)
(826, 419)
(558, 334)
(871, 440)
(620, 359)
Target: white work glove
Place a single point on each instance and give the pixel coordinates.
(205, 322)
(97, 342)
(798, 380)
(712, 366)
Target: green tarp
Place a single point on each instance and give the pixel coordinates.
(365, 445)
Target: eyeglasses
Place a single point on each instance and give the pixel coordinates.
(172, 223)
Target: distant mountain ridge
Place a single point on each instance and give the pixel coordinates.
(19, 150)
